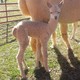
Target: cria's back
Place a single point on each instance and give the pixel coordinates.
(34, 28)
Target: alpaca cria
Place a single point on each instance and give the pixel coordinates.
(41, 32)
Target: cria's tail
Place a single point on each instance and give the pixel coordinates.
(14, 31)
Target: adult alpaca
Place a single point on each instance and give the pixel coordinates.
(38, 10)
(41, 31)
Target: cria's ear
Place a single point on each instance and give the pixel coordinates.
(49, 4)
(61, 3)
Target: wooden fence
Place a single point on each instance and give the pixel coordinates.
(9, 15)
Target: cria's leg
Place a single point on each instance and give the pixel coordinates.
(20, 58)
(23, 43)
(44, 54)
(38, 54)
(34, 48)
(25, 68)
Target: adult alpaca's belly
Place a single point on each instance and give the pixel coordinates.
(39, 11)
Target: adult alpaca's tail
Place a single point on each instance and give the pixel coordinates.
(23, 7)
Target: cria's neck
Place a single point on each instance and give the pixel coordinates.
(52, 24)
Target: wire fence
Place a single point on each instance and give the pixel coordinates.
(9, 15)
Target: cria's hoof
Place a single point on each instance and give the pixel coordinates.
(47, 76)
(26, 71)
(24, 78)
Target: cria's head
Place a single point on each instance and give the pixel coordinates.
(55, 10)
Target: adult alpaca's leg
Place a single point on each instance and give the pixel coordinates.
(64, 34)
(33, 44)
(75, 25)
(54, 39)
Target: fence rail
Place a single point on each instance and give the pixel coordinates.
(9, 15)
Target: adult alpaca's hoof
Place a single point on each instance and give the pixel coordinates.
(24, 78)
(26, 71)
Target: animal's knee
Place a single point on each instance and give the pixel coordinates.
(26, 43)
(19, 58)
(64, 35)
(23, 42)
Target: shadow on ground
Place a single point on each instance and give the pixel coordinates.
(76, 40)
(7, 42)
(68, 72)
